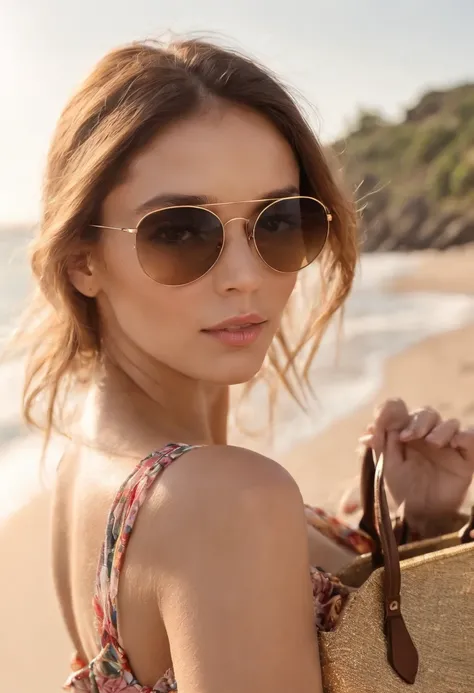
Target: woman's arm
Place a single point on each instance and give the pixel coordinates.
(233, 576)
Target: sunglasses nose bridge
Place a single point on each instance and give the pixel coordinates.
(247, 227)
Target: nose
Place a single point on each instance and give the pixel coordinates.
(239, 267)
(246, 224)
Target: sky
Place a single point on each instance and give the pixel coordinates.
(341, 56)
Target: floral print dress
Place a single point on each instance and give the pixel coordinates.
(110, 671)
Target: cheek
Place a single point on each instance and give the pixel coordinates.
(154, 317)
(280, 290)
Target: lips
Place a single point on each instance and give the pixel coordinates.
(239, 331)
(236, 323)
(237, 328)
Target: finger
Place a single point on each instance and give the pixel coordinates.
(393, 453)
(376, 443)
(392, 415)
(392, 447)
(366, 438)
(463, 441)
(421, 423)
(443, 433)
(388, 444)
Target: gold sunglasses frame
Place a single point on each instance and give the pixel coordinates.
(249, 233)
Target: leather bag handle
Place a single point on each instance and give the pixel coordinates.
(367, 523)
(401, 651)
(367, 481)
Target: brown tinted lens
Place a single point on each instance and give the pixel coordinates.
(291, 233)
(178, 245)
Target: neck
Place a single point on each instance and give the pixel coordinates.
(133, 410)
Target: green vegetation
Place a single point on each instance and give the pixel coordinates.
(430, 154)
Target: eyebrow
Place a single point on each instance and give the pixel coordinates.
(177, 199)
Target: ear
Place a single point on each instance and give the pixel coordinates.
(83, 273)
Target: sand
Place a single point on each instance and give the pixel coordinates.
(439, 371)
(35, 649)
(449, 271)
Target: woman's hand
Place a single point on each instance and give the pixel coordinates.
(429, 462)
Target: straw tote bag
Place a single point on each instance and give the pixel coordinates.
(409, 627)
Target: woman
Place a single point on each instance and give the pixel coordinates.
(183, 192)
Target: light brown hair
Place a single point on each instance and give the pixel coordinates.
(132, 93)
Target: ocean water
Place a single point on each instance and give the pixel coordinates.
(377, 325)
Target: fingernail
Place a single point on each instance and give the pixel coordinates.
(432, 439)
(366, 438)
(406, 434)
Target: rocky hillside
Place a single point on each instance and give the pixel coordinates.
(415, 179)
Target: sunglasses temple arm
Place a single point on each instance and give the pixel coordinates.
(113, 228)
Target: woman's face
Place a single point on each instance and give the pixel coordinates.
(226, 154)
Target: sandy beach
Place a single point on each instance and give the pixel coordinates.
(438, 371)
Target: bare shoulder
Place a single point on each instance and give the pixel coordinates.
(213, 483)
(210, 494)
(226, 467)
(230, 559)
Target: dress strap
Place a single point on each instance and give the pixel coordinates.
(120, 522)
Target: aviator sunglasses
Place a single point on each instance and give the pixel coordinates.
(180, 244)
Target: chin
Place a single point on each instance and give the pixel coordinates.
(235, 371)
